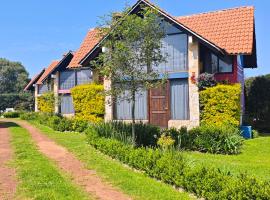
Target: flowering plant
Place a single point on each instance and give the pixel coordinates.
(206, 80)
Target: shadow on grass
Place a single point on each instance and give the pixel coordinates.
(8, 124)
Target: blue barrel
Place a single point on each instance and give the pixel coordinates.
(246, 132)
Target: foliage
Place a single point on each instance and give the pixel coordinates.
(220, 105)
(19, 101)
(255, 134)
(13, 77)
(172, 168)
(208, 138)
(11, 115)
(46, 102)
(89, 102)
(57, 122)
(206, 80)
(165, 142)
(257, 95)
(133, 52)
(146, 134)
(224, 139)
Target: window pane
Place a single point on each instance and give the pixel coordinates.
(214, 63)
(84, 76)
(179, 99)
(67, 80)
(123, 107)
(67, 105)
(43, 88)
(175, 51)
(224, 66)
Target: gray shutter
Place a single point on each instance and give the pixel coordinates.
(67, 80)
(179, 99)
(84, 76)
(123, 107)
(67, 104)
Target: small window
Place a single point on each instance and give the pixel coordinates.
(221, 65)
(67, 105)
(67, 80)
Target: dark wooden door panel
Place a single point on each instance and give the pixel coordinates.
(159, 109)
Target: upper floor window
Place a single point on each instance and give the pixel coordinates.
(67, 79)
(221, 65)
(43, 88)
(84, 76)
(175, 50)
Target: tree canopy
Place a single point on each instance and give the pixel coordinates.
(13, 76)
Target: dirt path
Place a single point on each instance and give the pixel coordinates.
(7, 174)
(71, 165)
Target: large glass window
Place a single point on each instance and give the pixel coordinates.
(179, 99)
(67, 80)
(221, 65)
(67, 104)
(122, 110)
(175, 51)
(84, 76)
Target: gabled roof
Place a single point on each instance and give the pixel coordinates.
(47, 72)
(55, 65)
(89, 42)
(33, 80)
(230, 29)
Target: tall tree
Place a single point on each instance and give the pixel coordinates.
(13, 76)
(133, 52)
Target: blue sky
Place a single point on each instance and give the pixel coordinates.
(37, 32)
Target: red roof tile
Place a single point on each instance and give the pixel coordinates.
(89, 42)
(33, 80)
(48, 71)
(231, 29)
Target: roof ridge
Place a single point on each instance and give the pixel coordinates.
(215, 11)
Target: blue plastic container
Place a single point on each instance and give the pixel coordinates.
(246, 132)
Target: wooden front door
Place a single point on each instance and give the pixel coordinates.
(159, 107)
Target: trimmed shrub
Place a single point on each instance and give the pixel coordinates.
(57, 122)
(46, 102)
(89, 102)
(221, 105)
(172, 168)
(11, 114)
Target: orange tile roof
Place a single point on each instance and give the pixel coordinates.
(48, 71)
(33, 80)
(231, 29)
(92, 38)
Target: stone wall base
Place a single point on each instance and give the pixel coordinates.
(180, 123)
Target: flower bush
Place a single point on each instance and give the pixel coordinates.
(206, 80)
(46, 102)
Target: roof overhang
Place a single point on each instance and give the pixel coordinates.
(135, 9)
(33, 81)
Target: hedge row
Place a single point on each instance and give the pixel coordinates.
(57, 122)
(172, 168)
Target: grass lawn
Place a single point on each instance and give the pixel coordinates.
(38, 177)
(137, 185)
(254, 159)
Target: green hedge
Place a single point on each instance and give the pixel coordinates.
(221, 104)
(57, 122)
(46, 102)
(172, 168)
(11, 115)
